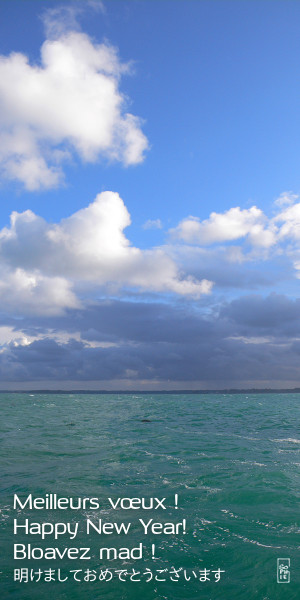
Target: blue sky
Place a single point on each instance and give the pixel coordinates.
(150, 157)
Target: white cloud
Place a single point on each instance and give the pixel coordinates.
(228, 226)
(48, 267)
(69, 104)
(89, 249)
(259, 237)
(289, 223)
(8, 335)
(153, 224)
(62, 18)
(286, 199)
(31, 292)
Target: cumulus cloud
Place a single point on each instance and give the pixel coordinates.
(89, 253)
(53, 266)
(45, 261)
(225, 227)
(69, 104)
(259, 237)
(289, 223)
(29, 291)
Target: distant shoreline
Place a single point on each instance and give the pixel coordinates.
(169, 392)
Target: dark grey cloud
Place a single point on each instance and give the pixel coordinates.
(227, 360)
(276, 314)
(249, 339)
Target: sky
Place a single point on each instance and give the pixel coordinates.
(150, 183)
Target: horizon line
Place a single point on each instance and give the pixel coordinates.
(187, 391)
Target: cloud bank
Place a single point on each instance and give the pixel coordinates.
(249, 341)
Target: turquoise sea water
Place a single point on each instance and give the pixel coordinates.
(233, 460)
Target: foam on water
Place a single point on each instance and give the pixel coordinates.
(292, 440)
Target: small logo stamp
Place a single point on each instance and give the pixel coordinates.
(283, 570)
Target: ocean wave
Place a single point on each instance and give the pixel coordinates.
(206, 488)
(253, 463)
(269, 525)
(248, 540)
(291, 440)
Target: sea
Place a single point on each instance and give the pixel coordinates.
(216, 475)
